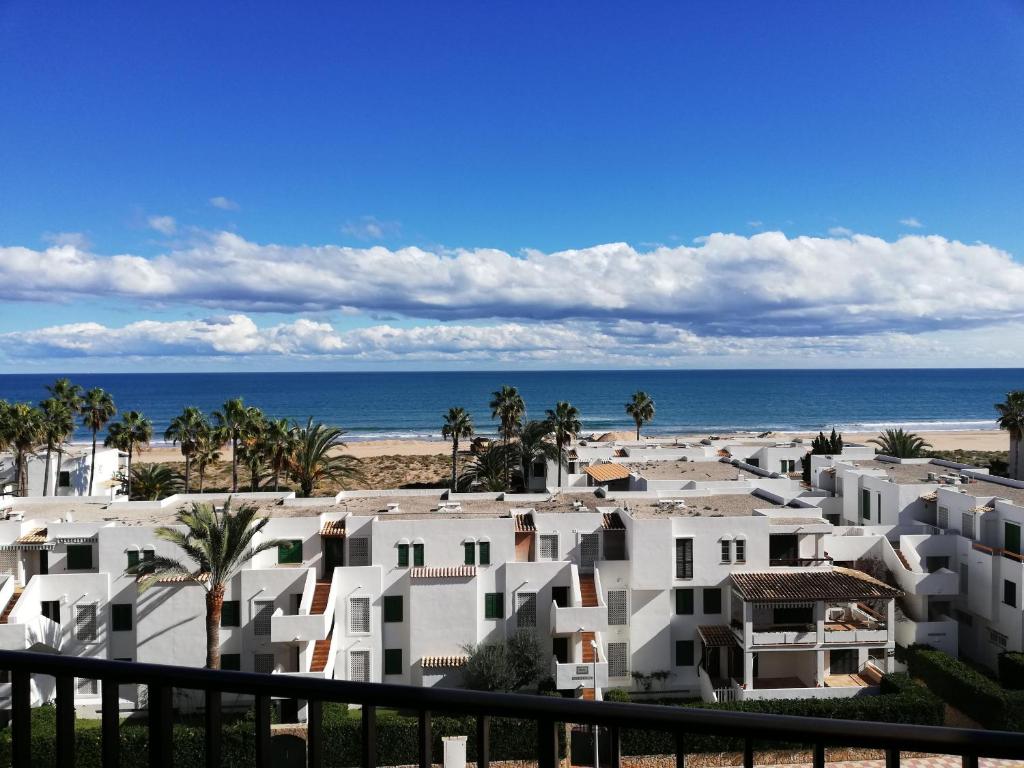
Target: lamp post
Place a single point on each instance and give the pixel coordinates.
(597, 729)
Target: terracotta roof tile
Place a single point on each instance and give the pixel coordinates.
(603, 473)
(717, 635)
(785, 586)
(38, 536)
(444, 662)
(612, 522)
(450, 572)
(333, 529)
(203, 578)
(525, 524)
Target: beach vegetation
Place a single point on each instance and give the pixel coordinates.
(229, 422)
(132, 433)
(63, 390)
(487, 470)
(188, 429)
(97, 410)
(58, 425)
(900, 444)
(564, 420)
(536, 443)
(641, 409)
(21, 430)
(508, 406)
(313, 459)
(152, 482)
(457, 426)
(1011, 418)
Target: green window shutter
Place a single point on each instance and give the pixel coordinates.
(417, 555)
(121, 617)
(485, 553)
(684, 602)
(79, 557)
(133, 558)
(231, 661)
(712, 600)
(403, 555)
(865, 504)
(231, 614)
(494, 605)
(684, 653)
(1011, 537)
(393, 608)
(290, 552)
(392, 661)
(469, 549)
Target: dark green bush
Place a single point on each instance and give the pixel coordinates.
(617, 694)
(977, 696)
(1011, 670)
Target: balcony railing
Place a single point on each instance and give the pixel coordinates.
(547, 712)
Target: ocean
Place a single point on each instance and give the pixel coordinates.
(411, 404)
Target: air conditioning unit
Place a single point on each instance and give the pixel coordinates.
(392, 506)
(932, 477)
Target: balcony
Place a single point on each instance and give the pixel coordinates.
(569, 677)
(588, 612)
(547, 713)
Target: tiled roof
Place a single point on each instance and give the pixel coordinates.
(932, 496)
(333, 529)
(603, 473)
(572, 455)
(835, 584)
(38, 536)
(444, 662)
(525, 524)
(450, 572)
(717, 635)
(612, 522)
(182, 579)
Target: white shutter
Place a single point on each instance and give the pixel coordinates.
(618, 607)
(359, 615)
(262, 611)
(86, 630)
(526, 609)
(589, 543)
(548, 546)
(359, 666)
(359, 551)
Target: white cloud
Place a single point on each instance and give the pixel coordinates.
(165, 225)
(371, 228)
(911, 222)
(840, 232)
(74, 239)
(755, 223)
(224, 203)
(762, 285)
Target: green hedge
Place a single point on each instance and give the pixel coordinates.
(1011, 670)
(974, 694)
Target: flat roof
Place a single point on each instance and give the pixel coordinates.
(712, 505)
(905, 474)
(989, 488)
(700, 471)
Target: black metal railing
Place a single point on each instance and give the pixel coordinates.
(545, 711)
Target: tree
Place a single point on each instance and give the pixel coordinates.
(97, 409)
(565, 423)
(313, 462)
(641, 409)
(1011, 418)
(902, 445)
(251, 446)
(132, 433)
(187, 429)
(214, 547)
(206, 455)
(458, 424)
(511, 665)
(70, 394)
(21, 428)
(278, 446)
(508, 407)
(822, 446)
(152, 482)
(58, 425)
(486, 470)
(536, 443)
(230, 421)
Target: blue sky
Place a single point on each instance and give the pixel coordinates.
(203, 137)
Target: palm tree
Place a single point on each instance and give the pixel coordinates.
(508, 407)
(535, 444)
(21, 428)
(458, 424)
(311, 462)
(1011, 418)
(152, 482)
(641, 408)
(133, 432)
(186, 429)
(97, 409)
(278, 445)
(230, 421)
(206, 454)
(486, 470)
(564, 421)
(58, 425)
(71, 395)
(900, 444)
(250, 445)
(214, 547)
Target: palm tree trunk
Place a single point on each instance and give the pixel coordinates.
(92, 465)
(214, 605)
(46, 473)
(455, 459)
(505, 458)
(60, 462)
(1015, 468)
(188, 466)
(638, 430)
(559, 463)
(202, 477)
(129, 472)
(277, 476)
(234, 464)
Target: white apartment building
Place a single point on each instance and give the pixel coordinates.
(70, 478)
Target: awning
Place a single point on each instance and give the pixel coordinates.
(333, 529)
(444, 662)
(451, 572)
(525, 524)
(612, 522)
(717, 636)
(788, 586)
(603, 473)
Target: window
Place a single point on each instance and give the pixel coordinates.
(392, 661)
(726, 551)
(359, 666)
(618, 607)
(417, 555)
(842, 662)
(964, 617)
(754, 462)
(540, 469)
(526, 609)
(614, 545)
(684, 653)
(121, 617)
(1011, 537)
(793, 615)
(393, 609)
(147, 558)
(712, 600)
(403, 555)
(289, 552)
(965, 580)
(359, 551)
(51, 610)
(133, 557)
(484, 552)
(79, 557)
(359, 615)
(942, 517)
(494, 605)
(997, 638)
(64, 479)
(86, 630)
(1009, 593)
(865, 504)
(967, 525)
(231, 613)
(263, 663)
(547, 548)
(469, 550)
(932, 563)
(684, 602)
(231, 661)
(684, 558)
(741, 550)
(561, 596)
(262, 611)
(788, 465)
(618, 660)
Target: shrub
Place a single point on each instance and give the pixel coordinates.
(618, 694)
(1011, 670)
(953, 681)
